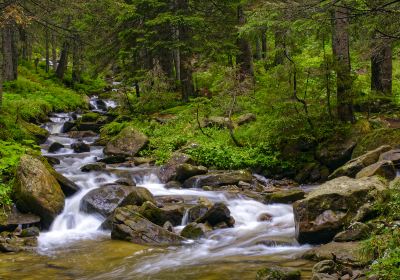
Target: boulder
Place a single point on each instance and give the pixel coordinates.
(278, 273)
(138, 196)
(218, 122)
(37, 191)
(345, 253)
(11, 219)
(185, 171)
(376, 139)
(284, 196)
(196, 212)
(88, 126)
(127, 143)
(246, 118)
(311, 173)
(113, 159)
(332, 206)
(352, 167)
(38, 132)
(55, 147)
(105, 199)
(326, 266)
(216, 179)
(142, 160)
(168, 171)
(68, 187)
(14, 244)
(90, 117)
(130, 226)
(384, 169)
(125, 182)
(393, 156)
(80, 147)
(81, 134)
(52, 160)
(216, 215)
(160, 216)
(355, 232)
(173, 185)
(168, 226)
(194, 231)
(98, 166)
(67, 126)
(335, 152)
(30, 232)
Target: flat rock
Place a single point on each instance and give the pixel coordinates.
(215, 179)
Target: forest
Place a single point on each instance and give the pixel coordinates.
(183, 139)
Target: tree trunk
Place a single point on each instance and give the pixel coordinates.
(9, 60)
(63, 64)
(244, 58)
(186, 74)
(47, 51)
(24, 43)
(341, 52)
(54, 52)
(264, 43)
(258, 55)
(381, 68)
(76, 60)
(280, 35)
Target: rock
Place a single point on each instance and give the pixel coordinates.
(90, 117)
(196, 212)
(384, 169)
(168, 171)
(351, 168)
(127, 143)
(101, 104)
(393, 156)
(113, 159)
(326, 266)
(68, 187)
(168, 226)
(278, 273)
(335, 152)
(105, 199)
(89, 126)
(142, 160)
(332, 206)
(30, 232)
(67, 126)
(376, 139)
(346, 253)
(311, 173)
(284, 196)
(160, 216)
(11, 219)
(217, 214)
(80, 147)
(81, 134)
(173, 185)
(138, 196)
(13, 244)
(264, 217)
(216, 179)
(325, 276)
(37, 191)
(38, 132)
(125, 182)
(218, 122)
(55, 147)
(356, 231)
(52, 160)
(193, 231)
(246, 118)
(130, 226)
(98, 166)
(185, 171)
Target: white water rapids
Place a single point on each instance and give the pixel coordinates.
(249, 237)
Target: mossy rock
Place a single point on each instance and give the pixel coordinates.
(377, 138)
(90, 117)
(277, 273)
(38, 133)
(193, 231)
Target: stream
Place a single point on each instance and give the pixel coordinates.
(75, 247)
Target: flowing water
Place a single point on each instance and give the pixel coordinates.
(75, 248)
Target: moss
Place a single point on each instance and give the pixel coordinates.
(278, 274)
(90, 117)
(377, 138)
